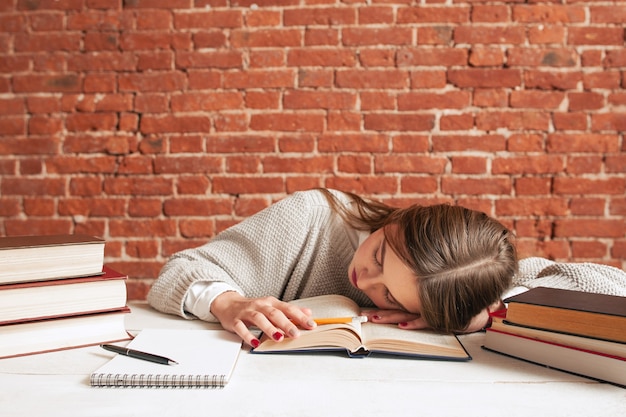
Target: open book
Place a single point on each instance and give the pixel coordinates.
(362, 339)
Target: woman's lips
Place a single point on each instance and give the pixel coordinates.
(354, 278)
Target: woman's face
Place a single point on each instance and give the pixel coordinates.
(378, 272)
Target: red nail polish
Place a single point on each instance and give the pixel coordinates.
(277, 336)
(255, 343)
(403, 324)
(376, 317)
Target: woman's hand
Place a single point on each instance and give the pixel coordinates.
(403, 319)
(274, 317)
(412, 321)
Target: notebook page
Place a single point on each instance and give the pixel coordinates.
(205, 357)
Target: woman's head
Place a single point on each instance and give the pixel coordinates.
(463, 260)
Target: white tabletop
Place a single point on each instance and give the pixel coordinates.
(57, 384)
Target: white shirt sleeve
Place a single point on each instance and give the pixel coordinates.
(200, 296)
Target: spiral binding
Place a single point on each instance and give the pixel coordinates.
(158, 381)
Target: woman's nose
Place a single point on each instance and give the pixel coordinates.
(370, 279)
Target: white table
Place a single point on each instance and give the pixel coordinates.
(57, 384)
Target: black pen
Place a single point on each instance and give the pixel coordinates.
(139, 355)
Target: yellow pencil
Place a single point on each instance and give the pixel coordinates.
(339, 320)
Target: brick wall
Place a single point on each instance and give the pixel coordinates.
(155, 124)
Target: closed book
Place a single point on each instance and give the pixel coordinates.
(580, 342)
(363, 339)
(40, 258)
(56, 298)
(586, 363)
(49, 335)
(204, 359)
(574, 312)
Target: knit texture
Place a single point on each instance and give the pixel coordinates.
(296, 248)
(586, 277)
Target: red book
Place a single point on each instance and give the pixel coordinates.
(38, 300)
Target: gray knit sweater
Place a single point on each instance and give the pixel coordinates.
(299, 247)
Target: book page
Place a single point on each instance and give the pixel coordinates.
(345, 335)
(329, 306)
(390, 338)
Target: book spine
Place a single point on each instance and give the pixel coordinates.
(158, 380)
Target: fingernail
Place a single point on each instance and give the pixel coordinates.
(311, 323)
(293, 332)
(403, 324)
(255, 343)
(277, 336)
(376, 317)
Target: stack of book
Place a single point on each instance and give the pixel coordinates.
(56, 293)
(577, 332)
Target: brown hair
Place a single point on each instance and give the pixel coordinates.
(463, 259)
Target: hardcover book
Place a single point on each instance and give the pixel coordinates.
(587, 363)
(56, 298)
(40, 258)
(48, 335)
(574, 312)
(362, 339)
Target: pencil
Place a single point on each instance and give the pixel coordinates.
(339, 320)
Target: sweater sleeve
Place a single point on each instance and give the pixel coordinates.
(255, 257)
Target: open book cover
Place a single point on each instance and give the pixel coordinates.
(363, 339)
(206, 359)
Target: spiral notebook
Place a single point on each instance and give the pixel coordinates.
(206, 359)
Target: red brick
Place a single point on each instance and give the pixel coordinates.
(527, 120)
(475, 186)
(319, 99)
(419, 100)
(552, 13)
(266, 38)
(377, 36)
(481, 56)
(267, 58)
(477, 34)
(438, 35)
(409, 164)
(527, 206)
(208, 19)
(537, 99)
(595, 36)
(433, 14)
(320, 16)
(398, 122)
(321, 36)
(425, 56)
(610, 186)
(488, 143)
(469, 165)
(286, 122)
(596, 228)
(355, 164)
(545, 164)
(484, 78)
(562, 142)
(533, 186)
(586, 206)
(363, 184)
(197, 206)
(243, 185)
